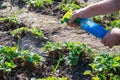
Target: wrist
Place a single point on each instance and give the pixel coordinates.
(84, 13)
(117, 33)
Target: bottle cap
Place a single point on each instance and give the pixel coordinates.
(67, 16)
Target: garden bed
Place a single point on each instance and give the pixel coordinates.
(47, 19)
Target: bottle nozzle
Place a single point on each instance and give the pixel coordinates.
(67, 16)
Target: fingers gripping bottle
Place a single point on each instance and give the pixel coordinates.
(87, 25)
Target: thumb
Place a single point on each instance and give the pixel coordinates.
(72, 19)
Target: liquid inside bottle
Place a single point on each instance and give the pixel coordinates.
(92, 27)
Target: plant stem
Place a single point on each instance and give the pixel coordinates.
(58, 63)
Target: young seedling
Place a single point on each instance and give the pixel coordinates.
(72, 51)
(105, 67)
(68, 5)
(9, 56)
(38, 3)
(18, 33)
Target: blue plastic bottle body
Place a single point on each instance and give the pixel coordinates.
(92, 28)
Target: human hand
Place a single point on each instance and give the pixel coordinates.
(76, 14)
(112, 38)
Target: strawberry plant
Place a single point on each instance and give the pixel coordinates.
(105, 67)
(98, 18)
(113, 16)
(115, 23)
(13, 19)
(38, 3)
(76, 51)
(53, 49)
(18, 33)
(109, 21)
(51, 46)
(10, 19)
(23, 30)
(72, 51)
(68, 5)
(9, 55)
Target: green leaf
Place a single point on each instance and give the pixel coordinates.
(95, 78)
(102, 77)
(87, 72)
(8, 54)
(116, 64)
(36, 58)
(98, 59)
(116, 77)
(92, 65)
(10, 64)
(117, 58)
(7, 70)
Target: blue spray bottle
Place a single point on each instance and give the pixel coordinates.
(87, 25)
